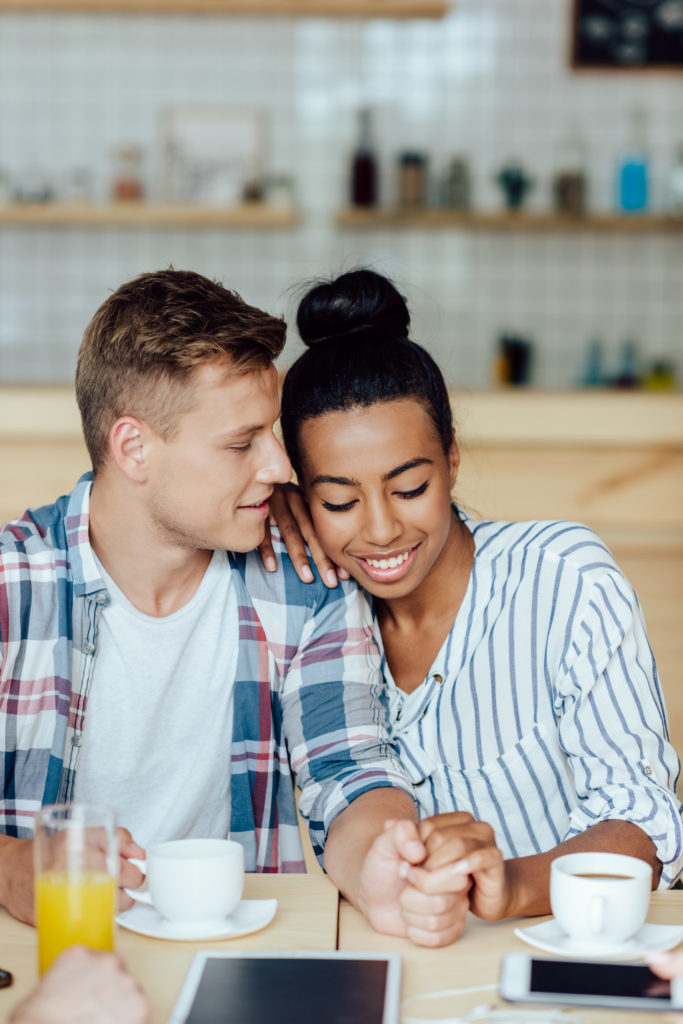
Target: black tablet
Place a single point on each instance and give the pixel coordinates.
(290, 988)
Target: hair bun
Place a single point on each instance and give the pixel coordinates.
(357, 305)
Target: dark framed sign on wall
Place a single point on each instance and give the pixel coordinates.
(623, 35)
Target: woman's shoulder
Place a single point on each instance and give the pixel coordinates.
(572, 543)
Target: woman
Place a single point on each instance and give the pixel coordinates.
(521, 687)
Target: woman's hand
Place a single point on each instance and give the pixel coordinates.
(395, 906)
(289, 512)
(459, 848)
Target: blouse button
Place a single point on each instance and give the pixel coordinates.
(437, 678)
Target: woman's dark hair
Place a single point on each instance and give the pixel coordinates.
(356, 329)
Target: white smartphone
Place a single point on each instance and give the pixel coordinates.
(525, 979)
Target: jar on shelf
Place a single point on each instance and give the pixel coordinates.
(412, 179)
(570, 179)
(126, 185)
(456, 185)
(279, 191)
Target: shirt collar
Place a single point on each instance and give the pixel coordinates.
(86, 576)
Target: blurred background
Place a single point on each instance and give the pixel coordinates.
(515, 165)
(474, 111)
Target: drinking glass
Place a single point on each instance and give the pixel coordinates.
(76, 877)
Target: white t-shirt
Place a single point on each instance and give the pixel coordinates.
(158, 731)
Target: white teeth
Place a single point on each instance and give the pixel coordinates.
(388, 563)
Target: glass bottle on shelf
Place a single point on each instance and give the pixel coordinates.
(593, 375)
(674, 187)
(364, 165)
(633, 184)
(628, 375)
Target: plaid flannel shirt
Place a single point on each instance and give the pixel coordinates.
(308, 691)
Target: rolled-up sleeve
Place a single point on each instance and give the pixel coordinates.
(613, 725)
(335, 712)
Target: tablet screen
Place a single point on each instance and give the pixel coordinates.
(291, 989)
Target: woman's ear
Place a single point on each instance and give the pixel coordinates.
(453, 461)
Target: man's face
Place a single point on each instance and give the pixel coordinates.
(209, 484)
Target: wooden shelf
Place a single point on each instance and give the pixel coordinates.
(287, 8)
(145, 215)
(388, 218)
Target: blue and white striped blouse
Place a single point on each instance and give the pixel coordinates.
(542, 713)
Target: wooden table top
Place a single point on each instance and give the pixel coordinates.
(309, 917)
(474, 961)
(306, 918)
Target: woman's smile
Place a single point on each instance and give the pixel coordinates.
(386, 568)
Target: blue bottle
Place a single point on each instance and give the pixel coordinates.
(633, 170)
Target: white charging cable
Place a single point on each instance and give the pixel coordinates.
(486, 1014)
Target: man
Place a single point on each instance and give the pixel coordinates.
(148, 661)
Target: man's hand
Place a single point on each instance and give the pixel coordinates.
(130, 877)
(289, 512)
(16, 878)
(457, 848)
(16, 874)
(84, 987)
(427, 918)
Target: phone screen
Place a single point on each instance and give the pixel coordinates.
(597, 979)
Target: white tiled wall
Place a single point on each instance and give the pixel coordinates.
(490, 81)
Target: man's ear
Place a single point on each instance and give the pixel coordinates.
(453, 461)
(126, 444)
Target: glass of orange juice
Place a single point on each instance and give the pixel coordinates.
(76, 877)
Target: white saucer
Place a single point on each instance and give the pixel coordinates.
(248, 916)
(549, 936)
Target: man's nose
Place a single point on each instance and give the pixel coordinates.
(277, 468)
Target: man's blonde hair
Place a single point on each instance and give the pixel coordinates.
(143, 344)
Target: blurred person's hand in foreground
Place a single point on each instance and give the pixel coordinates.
(667, 965)
(84, 987)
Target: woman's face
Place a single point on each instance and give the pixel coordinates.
(378, 485)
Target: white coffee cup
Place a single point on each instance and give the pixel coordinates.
(600, 898)
(193, 881)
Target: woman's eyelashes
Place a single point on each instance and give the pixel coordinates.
(347, 505)
(329, 507)
(415, 493)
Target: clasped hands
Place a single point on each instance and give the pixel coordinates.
(420, 879)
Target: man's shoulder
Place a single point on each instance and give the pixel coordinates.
(48, 525)
(38, 529)
(283, 587)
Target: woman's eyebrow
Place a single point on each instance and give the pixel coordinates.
(325, 479)
(346, 481)
(406, 465)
